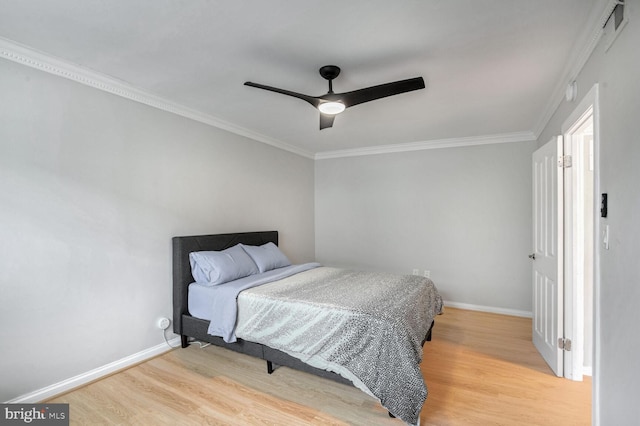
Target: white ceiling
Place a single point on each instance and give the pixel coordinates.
(491, 67)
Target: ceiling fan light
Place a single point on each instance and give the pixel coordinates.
(331, 108)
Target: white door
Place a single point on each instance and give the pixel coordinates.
(547, 257)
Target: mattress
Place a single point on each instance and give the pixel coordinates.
(200, 301)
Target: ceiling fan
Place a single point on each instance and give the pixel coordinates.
(331, 103)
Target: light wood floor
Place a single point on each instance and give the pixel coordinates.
(481, 369)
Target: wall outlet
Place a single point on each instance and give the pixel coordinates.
(427, 273)
(164, 323)
(416, 272)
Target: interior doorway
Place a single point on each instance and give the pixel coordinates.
(580, 207)
(581, 248)
(566, 252)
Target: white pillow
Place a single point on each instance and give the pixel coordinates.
(267, 256)
(218, 267)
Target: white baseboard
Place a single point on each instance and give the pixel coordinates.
(490, 309)
(84, 378)
(587, 371)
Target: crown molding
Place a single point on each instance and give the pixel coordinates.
(432, 144)
(581, 52)
(27, 56)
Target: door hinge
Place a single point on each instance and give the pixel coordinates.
(564, 344)
(564, 161)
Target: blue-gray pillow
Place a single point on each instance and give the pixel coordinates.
(267, 256)
(218, 267)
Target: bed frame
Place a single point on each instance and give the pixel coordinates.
(190, 327)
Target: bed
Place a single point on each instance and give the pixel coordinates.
(350, 368)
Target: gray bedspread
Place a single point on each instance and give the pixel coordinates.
(224, 307)
(367, 327)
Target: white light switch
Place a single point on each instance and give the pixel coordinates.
(605, 237)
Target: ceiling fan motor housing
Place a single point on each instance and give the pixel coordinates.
(330, 72)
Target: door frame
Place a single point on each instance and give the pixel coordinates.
(574, 296)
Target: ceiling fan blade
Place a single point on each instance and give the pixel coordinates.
(381, 91)
(326, 120)
(311, 99)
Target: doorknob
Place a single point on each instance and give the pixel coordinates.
(532, 256)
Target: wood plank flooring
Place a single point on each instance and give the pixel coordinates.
(480, 368)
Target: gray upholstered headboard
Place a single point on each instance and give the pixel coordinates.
(182, 246)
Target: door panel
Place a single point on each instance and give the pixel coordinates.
(548, 250)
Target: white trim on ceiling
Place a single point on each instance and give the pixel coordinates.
(24, 55)
(433, 144)
(582, 50)
(584, 46)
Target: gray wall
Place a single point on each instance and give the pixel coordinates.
(462, 213)
(92, 188)
(616, 369)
